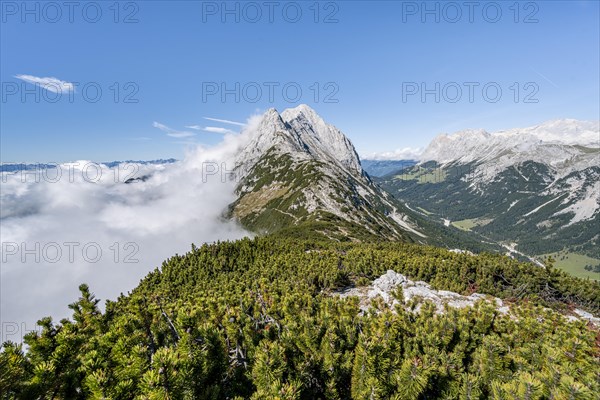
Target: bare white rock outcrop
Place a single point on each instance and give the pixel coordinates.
(386, 288)
(387, 284)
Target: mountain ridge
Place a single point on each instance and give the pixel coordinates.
(534, 190)
(567, 145)
(298, 169)
(299, 176)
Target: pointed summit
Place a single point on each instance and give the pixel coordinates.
(271, 122)
(299, 171)
(303, 113)
(322, 135)
(301, 133)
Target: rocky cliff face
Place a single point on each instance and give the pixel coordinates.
(301, 133)
(298, 170)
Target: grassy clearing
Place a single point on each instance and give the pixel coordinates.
(468, 224)
(574, 264)
(465, 224)
(423, 175)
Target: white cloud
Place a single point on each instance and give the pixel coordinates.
(54, 85)
(225, 121)
(406, 153)
(215, 129)
(172, 132)
(211, 129)
(161, 126)
(161, 215)
(180, 134)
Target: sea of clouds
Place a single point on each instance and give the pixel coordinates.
(52, 227)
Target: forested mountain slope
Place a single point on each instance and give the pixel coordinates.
(536, 190)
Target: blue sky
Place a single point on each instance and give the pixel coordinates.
(369, 57)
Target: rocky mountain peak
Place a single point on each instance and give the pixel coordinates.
(299, 171)
(301, 133)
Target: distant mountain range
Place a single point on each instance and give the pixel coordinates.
(301, 177)
(535, 190)
(16, 167)
(530, 193)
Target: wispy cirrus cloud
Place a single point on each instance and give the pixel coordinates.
(50, 84)
(172, 132)
(225, 121)
(215, 129)
(211, 129)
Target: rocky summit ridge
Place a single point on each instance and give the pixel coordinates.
(298, 170)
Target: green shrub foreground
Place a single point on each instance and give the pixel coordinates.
(256, 319)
